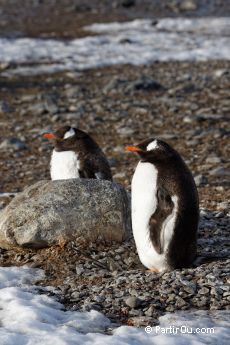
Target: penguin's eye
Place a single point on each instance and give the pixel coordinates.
(69, 134)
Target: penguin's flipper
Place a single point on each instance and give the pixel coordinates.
(164, 200)
(164, 208)
(89, 173)
(89, 170)
(100, 176)
(96, 169)
(86, 173)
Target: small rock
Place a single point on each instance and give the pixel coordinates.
(13, 143)
(200, 180)
(216, 291)
(28, 98)
(188, 5)
(170, 308)
(75, 295)
(220, 172)
(140, 111)
(37, 109)
(51, 107)
(118, 149)
(80, 8)
(135, 312)
(168, 136)
(55, 118)
(210, 117)
(114, 84)
(79, 270)
(91, 306)
(193, 142)
(120, 250)
(128, 3)
(221, 72)
(203, 291)
(133, 292)
(150, 311)
(158, 123)
(126, 131)
(3, 65)
(188, 119)
(112, 265)
(140, 321)
(145, 83)
(71, 116)
(133, 302)
(189, 290)
(112, 161)
(223, 205)
(213, 160)
(219, 215)
(99, 299)
(171, 297)
(202, 302)
(180, 302)
(35, 265)
(4, 107)
(120, 175)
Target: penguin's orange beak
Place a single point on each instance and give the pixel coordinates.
(49, 136)
(132, 149)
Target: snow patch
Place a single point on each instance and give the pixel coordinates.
(17, 276)
(136, 42)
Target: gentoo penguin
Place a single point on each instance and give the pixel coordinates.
(76, 155)
(165, 207)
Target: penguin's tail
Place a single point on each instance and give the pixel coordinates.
(207, 258)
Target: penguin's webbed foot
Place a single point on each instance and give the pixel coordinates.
(153, 270)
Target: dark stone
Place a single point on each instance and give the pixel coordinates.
(128, 3)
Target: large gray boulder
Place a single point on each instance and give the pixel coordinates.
(52, 212)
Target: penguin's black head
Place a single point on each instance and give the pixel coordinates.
(67, 138)
(149, 148)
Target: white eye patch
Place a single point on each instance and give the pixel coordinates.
(152, 146)
(69, 134)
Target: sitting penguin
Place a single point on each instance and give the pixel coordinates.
(76, 155)
(165, 207)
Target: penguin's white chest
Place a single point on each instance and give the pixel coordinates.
(144, 204)
(64, 165)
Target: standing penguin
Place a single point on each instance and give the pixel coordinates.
(76, 155)
(165, 207)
